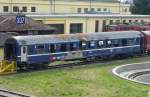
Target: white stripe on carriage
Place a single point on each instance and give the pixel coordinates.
(81, 51)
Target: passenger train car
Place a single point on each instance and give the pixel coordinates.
(125, 27)
(41, 49)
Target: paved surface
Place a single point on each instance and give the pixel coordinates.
(2, 94)
(138, 72)
(6, 93)
(143, 78)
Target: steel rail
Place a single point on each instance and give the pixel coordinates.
(7, 93)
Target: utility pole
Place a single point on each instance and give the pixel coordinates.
(119, 6)
(54, 6)
(51, 6)
(10, 6)
(90, 5)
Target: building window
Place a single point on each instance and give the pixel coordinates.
(109, 10)
(33, 9)
(59, 28)
(124, 21)
(5, 8)
(24, 9)
(111, 22)
(142, 21)
(92, 9)
(117, 21)
(98, 9)
(105, 9)
(96, 26)
(40, 21)
(136, 20)
(15, 9)
(85, 10)
(125, 10)
(79, 10)
(130, 21)
(104, 26)
(76, 28)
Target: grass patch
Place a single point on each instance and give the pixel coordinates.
(87, 81)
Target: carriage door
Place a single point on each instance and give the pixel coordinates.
(24, 54)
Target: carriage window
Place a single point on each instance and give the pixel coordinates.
(40, 49)
(116, 43)
(137, 40)
(92, 43)
(130, 42)
(124, 42)
(52, 48)
(63, 47)
(24, 50)
(83, 45)
(73, 47)
(109, 43)
(100, 43)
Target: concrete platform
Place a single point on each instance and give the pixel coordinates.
(137, 72)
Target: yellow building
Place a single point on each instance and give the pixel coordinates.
(62, 6)
(85, 23)
(74, 16)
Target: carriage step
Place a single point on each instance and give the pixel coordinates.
(8, 67)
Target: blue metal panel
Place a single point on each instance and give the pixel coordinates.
(109, 52)
(38, 59)
(31, 49)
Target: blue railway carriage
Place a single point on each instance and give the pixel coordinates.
(41, 49)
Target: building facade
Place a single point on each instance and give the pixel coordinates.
(86, 23)
(63, 6)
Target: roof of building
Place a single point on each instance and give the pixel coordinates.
(86, 16)
(100, 0)
(40, 39)
(114, 1)
(146, 32)
(8, 24)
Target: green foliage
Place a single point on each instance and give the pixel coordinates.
(140, 7)
(88, 81)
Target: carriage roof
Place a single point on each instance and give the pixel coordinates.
(40, 39)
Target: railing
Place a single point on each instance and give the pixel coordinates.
(8, 67)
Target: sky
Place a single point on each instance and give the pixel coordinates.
(125, 0)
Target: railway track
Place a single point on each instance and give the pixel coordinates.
(6, 93)
(77, 64)
(90, 62)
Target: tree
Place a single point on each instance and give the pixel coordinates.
(140, 7)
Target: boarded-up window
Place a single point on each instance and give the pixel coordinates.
(76, 28)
